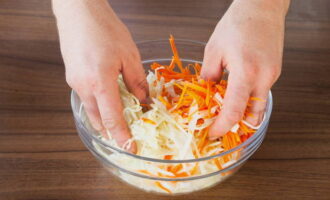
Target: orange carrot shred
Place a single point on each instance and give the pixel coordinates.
(149, 121)
(257, 99)
(195, 87)
(175, 54)
(194, 169)
(182, 95)
(158, 184)
(201, 143)
(172, 65)
(168, 157)
(217, 163)
(145, 172)
(182, 174)
(207, 99)
(177, 168)
(166, 103)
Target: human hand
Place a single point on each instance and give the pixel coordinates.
(97, 47)
(248, 42)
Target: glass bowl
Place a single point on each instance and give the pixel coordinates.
(120, 162)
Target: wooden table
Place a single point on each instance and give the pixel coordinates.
(41, 156)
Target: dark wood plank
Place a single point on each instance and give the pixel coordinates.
(41, 157)
(76, 175)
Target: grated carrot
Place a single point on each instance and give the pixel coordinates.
(217, 163)
(191, 90)
(175, 53)
(145, 172)
(182, 174)
(207, 99)
(166, 103)
(194, 169)
(256, 99)
(177, 168)
(158, 184)
(149, 121)
(202, 141)
(172, 65)
(168, 157)
(195, 87)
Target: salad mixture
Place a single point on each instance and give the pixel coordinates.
(175, 126)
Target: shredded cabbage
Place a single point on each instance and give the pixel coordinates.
(170, 135)
(175, 127)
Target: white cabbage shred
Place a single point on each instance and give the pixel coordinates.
(171, 135)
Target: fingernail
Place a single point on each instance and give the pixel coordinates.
(146, 100)
(212, 134)
(255, 120)
(104, 134)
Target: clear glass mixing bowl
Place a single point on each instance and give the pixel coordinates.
(118, 161)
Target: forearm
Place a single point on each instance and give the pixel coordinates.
(83, 10)
(272, 6)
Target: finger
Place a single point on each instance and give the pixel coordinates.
(212, 68)
(257, 106)
(92, 112)
(234, 105)
(135, 78)
(111, 110)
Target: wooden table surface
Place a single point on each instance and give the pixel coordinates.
(41, 156)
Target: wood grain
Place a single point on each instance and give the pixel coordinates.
(41, 156)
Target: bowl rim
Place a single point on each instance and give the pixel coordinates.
(166, 40)
(262, 126)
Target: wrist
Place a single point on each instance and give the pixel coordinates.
(82, 10)
(278, 7)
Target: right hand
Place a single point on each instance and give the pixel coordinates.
(97, 47)
(248, 42)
